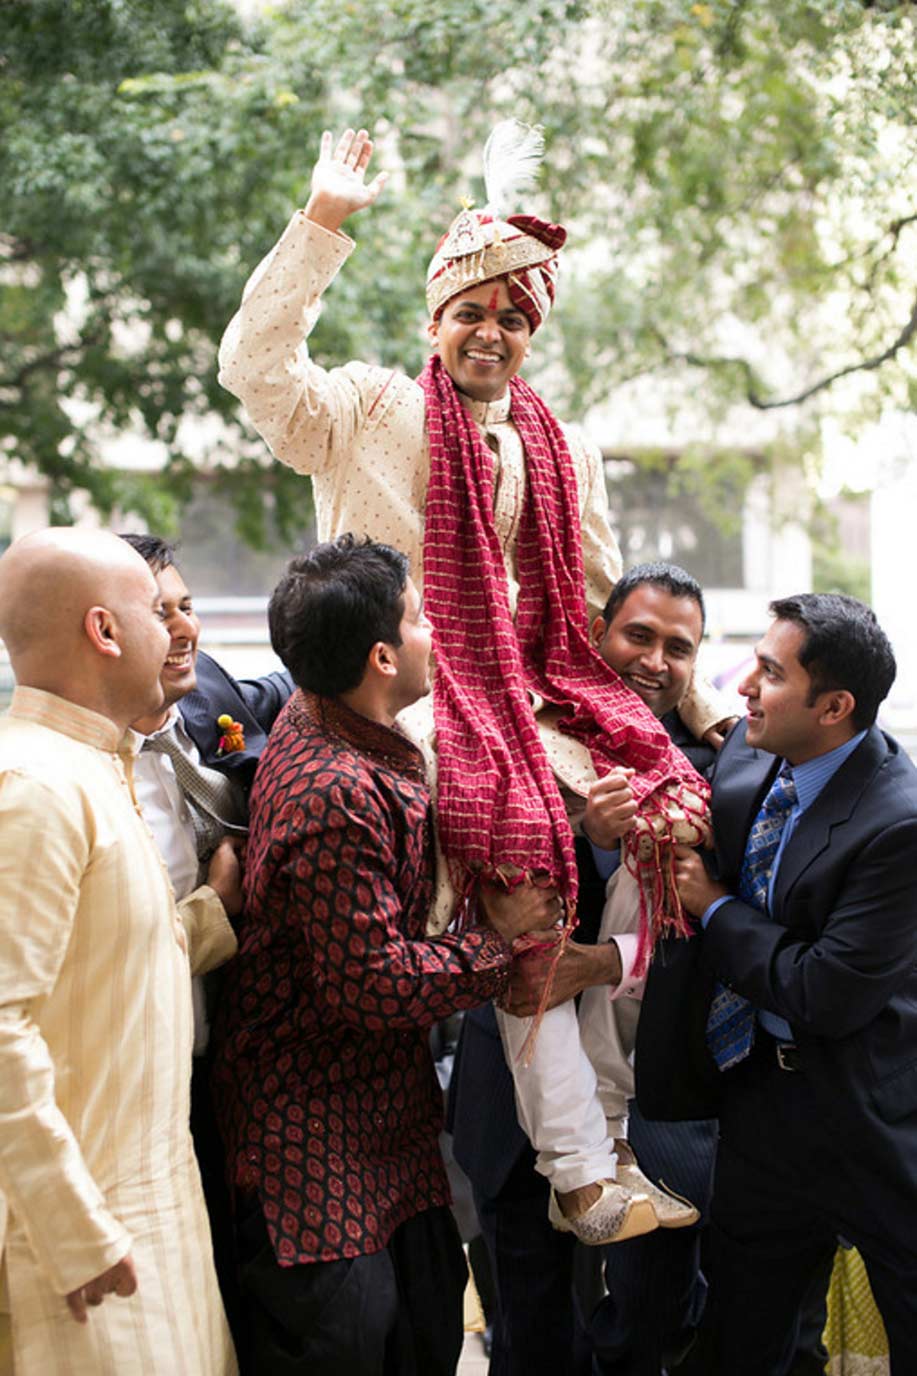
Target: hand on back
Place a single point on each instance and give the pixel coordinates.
(224, 873)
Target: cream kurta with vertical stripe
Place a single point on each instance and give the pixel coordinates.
(95, 1062)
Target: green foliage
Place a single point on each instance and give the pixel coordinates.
(750, 194)
(739, 182)
(836, 568)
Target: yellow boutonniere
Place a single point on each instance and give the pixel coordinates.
(233, 737)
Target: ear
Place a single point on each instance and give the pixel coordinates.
(99, 625)
(836, 706)
(433, 332)
(597, 631)
(528, 349)
(381, 660)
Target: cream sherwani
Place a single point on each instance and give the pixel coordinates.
(359, 430)
(95, 1060)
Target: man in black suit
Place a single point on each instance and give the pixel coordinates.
(809, 958)
(179, 752)
(649, 633)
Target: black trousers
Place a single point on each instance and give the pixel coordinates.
(396, 1312)
(211, 1160)
(539, 1327)
(786, 1185)
(656, 1289)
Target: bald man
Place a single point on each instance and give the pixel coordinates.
(108, 1258)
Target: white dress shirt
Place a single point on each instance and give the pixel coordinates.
(166, 813)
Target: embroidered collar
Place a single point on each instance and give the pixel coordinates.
(58, 714)
(488, 413)
(386, 744)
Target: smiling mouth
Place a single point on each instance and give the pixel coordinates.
(474, 356)
(179, 661)
(651, 685)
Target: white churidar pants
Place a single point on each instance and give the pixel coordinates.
(571, 1098)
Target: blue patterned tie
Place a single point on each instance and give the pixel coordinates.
(731, 1020)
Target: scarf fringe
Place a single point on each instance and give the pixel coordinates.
(652, 863)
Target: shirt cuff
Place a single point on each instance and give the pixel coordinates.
(629, 986)
(714, 907)
(320, 232)
(606, 861)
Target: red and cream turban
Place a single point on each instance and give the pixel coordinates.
(482, 245)
(478, 248)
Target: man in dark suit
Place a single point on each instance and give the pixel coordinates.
(650, 632)
(201, 689)
(806, 978)
(192, 778)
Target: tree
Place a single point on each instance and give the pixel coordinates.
(760, 222)
(739, 181)
(150, 156)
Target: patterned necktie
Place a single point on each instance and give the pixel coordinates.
(731, 1020)
(210, 796)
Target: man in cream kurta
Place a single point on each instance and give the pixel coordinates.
(96, 1162)
(361, 432)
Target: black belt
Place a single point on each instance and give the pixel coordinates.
(767, 1049)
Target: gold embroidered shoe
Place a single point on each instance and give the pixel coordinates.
(671, 1210)
(616, 1215)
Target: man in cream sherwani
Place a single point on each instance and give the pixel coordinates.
(362, 432)
(108, 1259)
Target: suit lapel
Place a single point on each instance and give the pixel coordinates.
(200, 723)
(216, 693)
(741, 779)
(832, 808)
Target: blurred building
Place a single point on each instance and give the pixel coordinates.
(742, 562)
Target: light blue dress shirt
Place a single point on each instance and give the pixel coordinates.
(606, 861)
(810, 778)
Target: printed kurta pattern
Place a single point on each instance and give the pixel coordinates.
(324, 1080)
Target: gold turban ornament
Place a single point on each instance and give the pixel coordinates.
(481, 245)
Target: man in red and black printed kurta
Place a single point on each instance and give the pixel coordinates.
(325, 1083)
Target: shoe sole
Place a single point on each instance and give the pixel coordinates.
(686, 1221)
(638, 1182)
(640, 1218)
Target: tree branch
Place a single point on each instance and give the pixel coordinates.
(754, 396)
(894, 231)
(14, 250)
(53, 358)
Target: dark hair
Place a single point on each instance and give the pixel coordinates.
(843, 647)
(332, 606)
(670, 577)
(158, 553)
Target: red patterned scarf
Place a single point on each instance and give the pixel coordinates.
(500, 809)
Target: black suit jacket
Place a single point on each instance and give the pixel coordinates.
(487, 1138)
(253, 702)
(837, 958)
